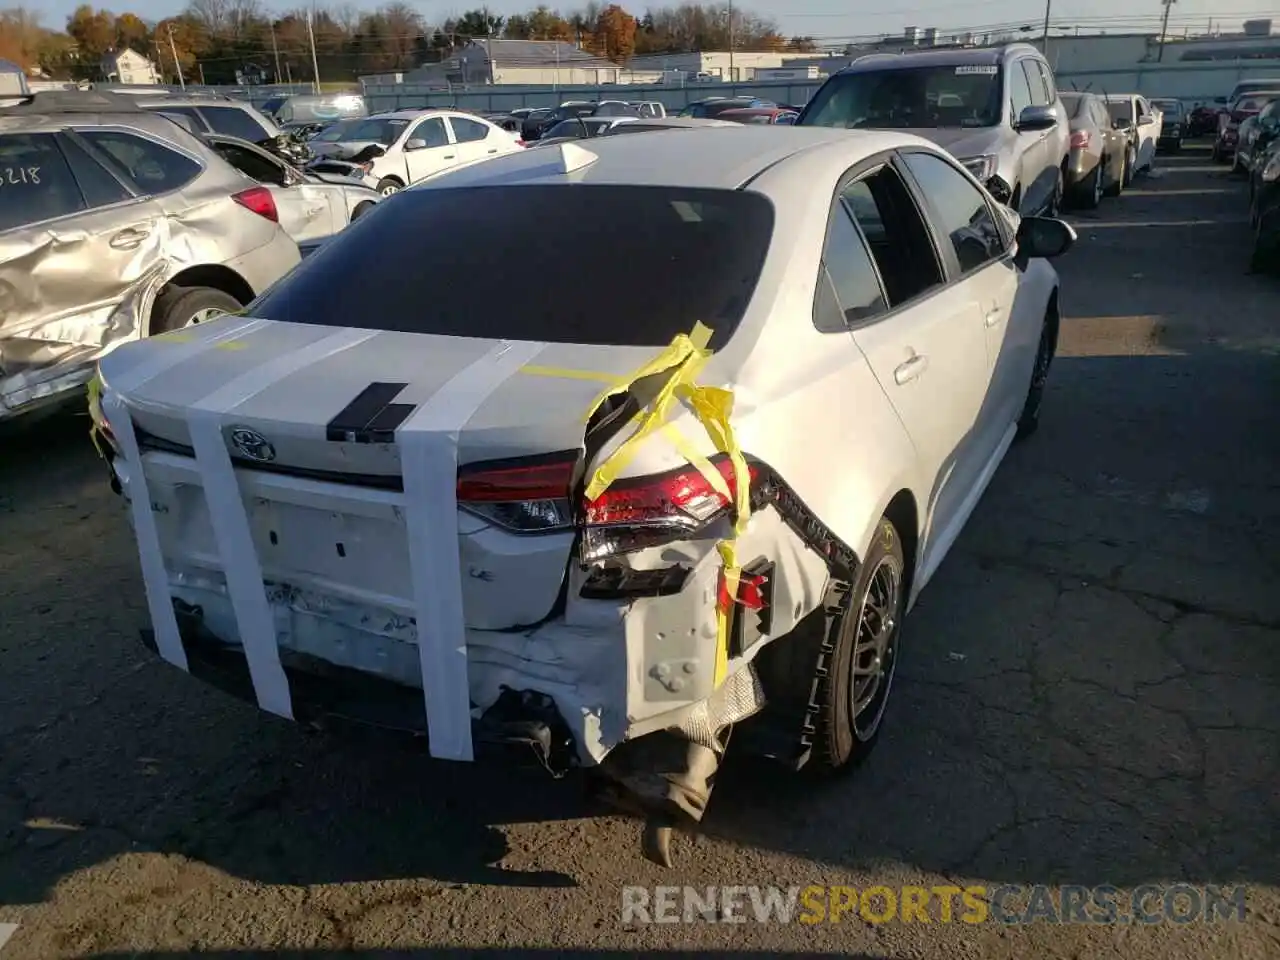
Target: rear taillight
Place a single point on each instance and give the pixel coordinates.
(260, 201)
(1080, 140)
(521, 143)
(535, 497)
(648, 511)
(524, 497)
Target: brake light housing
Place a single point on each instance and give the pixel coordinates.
(536, 496)
(649, 511)
(1080, 140)
(260, 201)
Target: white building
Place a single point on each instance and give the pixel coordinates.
(129, 67)
(534, 62)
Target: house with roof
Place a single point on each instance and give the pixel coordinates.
(13, 79)
(129, 67)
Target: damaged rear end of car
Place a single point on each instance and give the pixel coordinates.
(545, 518)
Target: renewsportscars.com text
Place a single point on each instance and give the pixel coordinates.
(1007, 904)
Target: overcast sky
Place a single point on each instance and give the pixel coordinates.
(836, 19)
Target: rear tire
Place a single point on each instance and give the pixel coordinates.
(1029, 419)
(1091, 195)
(851, 709)
(1130, 166)
(389, 185)
(180, 307)
(1116, 187)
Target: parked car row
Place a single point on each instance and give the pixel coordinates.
(126, 216)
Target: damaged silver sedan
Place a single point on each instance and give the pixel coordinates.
(605, 529)
(115, 224)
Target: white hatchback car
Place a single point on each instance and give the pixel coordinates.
(404, 147)
(398, 483)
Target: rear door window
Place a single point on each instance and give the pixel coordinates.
(468, 131)
(848, 263)
(699, 250)
(36, 182)
(896, 234)
(143, 163)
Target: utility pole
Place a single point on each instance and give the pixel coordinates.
(275, 49)
(732, 75)
(488, 44)
(1044, 40)
(1164, 27)
(315, 66)
(178, 66)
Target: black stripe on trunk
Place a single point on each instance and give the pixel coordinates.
(371, 417)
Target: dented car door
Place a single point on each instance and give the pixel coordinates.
(78, 251)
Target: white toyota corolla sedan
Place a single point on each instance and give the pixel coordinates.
(691, 479)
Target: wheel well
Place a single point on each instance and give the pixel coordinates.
(206, 275)
(393, 177)
(902, 513)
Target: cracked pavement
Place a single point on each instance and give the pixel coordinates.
(1089, 694)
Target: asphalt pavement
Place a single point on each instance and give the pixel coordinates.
(1089, 694)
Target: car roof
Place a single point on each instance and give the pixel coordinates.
(755, 111)
(956, 56)
(724, 157)
(412, 114)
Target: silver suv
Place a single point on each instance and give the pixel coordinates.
(115, 223)
(996, 109)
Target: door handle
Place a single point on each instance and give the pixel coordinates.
(994, 315)
(910, 370)
(494, 150)
(314, 211)
(128, 238)
(449, 156)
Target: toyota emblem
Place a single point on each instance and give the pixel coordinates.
(252, 445)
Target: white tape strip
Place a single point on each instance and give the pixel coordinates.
(155, 580)
(230, 521)
(166, 353)
(428, 443)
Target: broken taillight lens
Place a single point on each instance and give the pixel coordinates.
(524, 497)
(534, 497)
(648, 511)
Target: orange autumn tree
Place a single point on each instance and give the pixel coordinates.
(615, 34)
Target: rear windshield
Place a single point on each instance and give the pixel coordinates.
(426, 263)
(1073, 103)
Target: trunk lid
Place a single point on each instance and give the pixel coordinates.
(302, 412)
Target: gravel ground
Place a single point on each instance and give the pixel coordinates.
(1089, 695)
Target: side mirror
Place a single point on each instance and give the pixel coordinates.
(415, 144)
(1044, 237)
(1036, 118)
(1146, 120)
(1120, 123)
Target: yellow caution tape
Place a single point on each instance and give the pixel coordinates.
(683, 359)
(95, 414)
